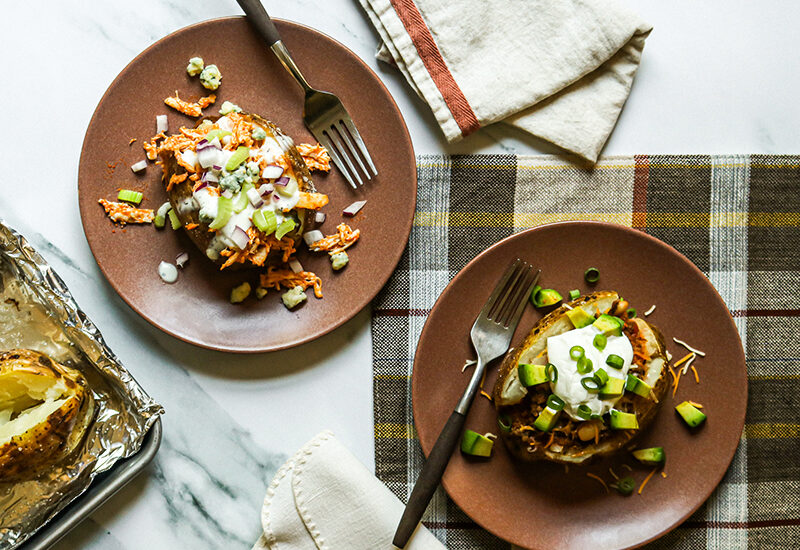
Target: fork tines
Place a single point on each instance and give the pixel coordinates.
(506, 303)
(344, 143)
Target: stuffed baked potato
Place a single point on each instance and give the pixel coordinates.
(45, 409)
(552, 402)
(239, 188)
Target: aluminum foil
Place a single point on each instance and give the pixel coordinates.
(38, 312)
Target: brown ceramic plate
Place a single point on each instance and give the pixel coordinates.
(196, 308)
(540, 505)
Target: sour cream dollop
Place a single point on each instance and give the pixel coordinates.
(569, 387)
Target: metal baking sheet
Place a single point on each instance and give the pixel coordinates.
(38, 312)
(103, 488)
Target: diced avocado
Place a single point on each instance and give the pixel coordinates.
(261, 292)
(546, 419)
(623, 421)
(612, 388)
(690, 414)
(637, 386)
(239, 293)
(294, 297)
(579, 317)
(654, 456)
(530, 375)
(475, 444)
(609, 325)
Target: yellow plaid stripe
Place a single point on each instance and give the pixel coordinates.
(395, 430)
(649, 219)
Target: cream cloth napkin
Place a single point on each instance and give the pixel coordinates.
(560, 70)
(324, 498)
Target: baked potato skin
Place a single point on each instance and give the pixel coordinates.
(612, 440)
(26, 454)
(182, 191)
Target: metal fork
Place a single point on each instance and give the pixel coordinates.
(491, 335)
(323, 113)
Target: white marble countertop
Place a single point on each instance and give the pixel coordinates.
(716, 77)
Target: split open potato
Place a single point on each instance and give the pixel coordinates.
(45, 409)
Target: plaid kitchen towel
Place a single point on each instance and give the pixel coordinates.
(736, 217)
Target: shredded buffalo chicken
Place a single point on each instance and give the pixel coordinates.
(190, 109)
(315, 156)
(123, 213)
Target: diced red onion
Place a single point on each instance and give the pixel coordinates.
(228, 194)
(201, 185)
(255, 198)
(139, 166)
(208, 156)
(353, 209)
(271, 172)
(276, 198)
(209, 177)
(313, 236)
(240, 237)
(161, 124)
(319, 217)
(216, 167)
(282, 181)
(266, 189)
(295, 266)
(202, 144)
(182, 259)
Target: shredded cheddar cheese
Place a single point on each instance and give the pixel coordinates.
(486, 395)
(598, 478)
(641, 487)
(613, 474)
(696, 376)
(550, 441)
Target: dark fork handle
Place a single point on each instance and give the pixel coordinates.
(429, 479)
(260, 20)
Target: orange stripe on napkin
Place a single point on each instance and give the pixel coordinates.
(432, 59)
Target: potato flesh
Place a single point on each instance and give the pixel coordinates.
(28, 419)
(26, 400)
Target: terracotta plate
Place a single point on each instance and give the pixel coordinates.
(540, 505)
(196, 308)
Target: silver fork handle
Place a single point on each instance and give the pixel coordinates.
(282, 53)
(472, 388)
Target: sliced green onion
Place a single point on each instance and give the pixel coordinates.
(576, 352)
(574, 294)
(129, 196)
(224, 211)
(600, 342)
(585, 365)
(631, 313)
(601, 376)
(265, 221)
(584, 412)
(284, 228)
(173, 219)
(615, 361)
(238, 157)
(596, 416)
(555, 402)
(592, 275)
(625, 486)
(161, 215)
(504, 421)
(552, 372)
(589, 383)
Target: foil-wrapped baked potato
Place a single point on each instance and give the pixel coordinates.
(45, 409)
(576, 440)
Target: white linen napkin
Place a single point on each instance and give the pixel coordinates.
(324, 498)
(558, 70)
